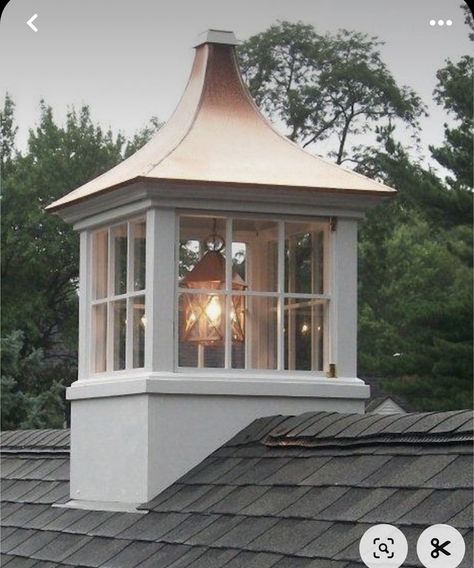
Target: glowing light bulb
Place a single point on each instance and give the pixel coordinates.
(305, 328)
(143, 320)
(213, 309)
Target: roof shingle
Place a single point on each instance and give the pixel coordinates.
(286, 492)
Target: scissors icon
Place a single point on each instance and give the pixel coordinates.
(437, 548)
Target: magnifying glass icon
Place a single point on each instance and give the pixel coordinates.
(383, 547)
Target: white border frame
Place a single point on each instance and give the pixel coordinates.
(88, 359)
(280, 294)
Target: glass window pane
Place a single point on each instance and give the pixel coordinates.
(201, 330)
(99, 324)
(304, 262)
(139, 326)
(304, 335)
(260, 335)
(197, 236)
(100, 254)
(119, 324)
(119, 247)
(239, 262)
(139, 254)
(254, 253)
(238, 316)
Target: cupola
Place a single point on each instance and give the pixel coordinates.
(218, 284)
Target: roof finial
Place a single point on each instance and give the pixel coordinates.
(217, 36)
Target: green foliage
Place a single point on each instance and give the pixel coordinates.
(468, 19)
(28, 401)
(332, 86)
(455, 93)
(142, 136)
(415, 285)
(8, 132)
(40, 252)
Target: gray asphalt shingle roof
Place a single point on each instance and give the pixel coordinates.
(295, 492)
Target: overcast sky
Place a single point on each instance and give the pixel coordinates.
(130, 59)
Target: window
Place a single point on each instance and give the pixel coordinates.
(253, 293)
(118, 297)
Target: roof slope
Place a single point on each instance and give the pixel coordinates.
(286, 492)
(217, 135)
(378, 395)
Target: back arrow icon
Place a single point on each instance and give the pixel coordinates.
(30, 22)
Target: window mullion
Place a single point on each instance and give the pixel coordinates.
(228, 296)
(328, 317)
(128, 305)
(315, 267)
(281, 288)
(110, 284)
(291, 313)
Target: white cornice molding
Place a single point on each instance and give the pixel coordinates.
(139, 197)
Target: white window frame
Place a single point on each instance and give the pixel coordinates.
(279, 294)
(111, 297)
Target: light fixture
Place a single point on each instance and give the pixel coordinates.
(204, 313)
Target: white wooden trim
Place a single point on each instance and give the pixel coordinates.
(85, 284)
(133, 294)
(228, 297)
(138, 197)
(214, 292)
(109, 299)
(281, 290)
(129, 333)
(291, 317)
(109, 350)
(314, 332)
(344, 303)
(223, 383)
(150, 292)
(161, 261)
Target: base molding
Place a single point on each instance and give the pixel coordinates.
(102, 506)
(217, 384)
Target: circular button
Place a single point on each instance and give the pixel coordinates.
(440, 546)
(383, 546)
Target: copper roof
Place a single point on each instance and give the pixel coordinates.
(218, 135)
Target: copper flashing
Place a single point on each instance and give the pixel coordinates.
(217, 135)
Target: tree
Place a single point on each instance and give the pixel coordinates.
(454, 92)
(415, 285)
(468, 19)
(325, 87)
(31, 405)
(40, 252)
(8, 131)
(141, 137)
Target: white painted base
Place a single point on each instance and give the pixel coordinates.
(132, 438)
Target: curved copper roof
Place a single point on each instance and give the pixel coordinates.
(218, 135)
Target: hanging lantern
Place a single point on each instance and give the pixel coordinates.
(204, 314)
